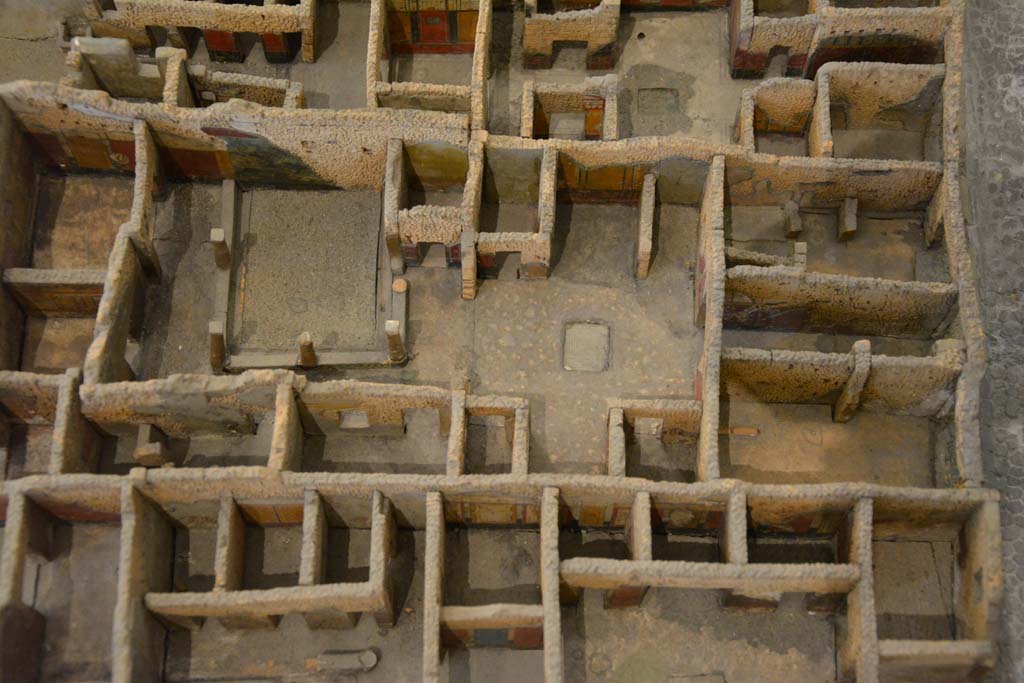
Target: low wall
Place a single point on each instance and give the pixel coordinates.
(922, 386)
(237, 139)
(789, 299)
(597, 27)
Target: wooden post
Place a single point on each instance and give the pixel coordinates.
(849, 400)
(794, 224)
(221, 250)
(848, 219)
(396, 345)
(151, 446)
(616, 443)
(307, 354)
(218, 347)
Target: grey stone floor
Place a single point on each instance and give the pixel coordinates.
(310, 264)
(994, 103)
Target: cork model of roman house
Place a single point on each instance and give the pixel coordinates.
(605, 340)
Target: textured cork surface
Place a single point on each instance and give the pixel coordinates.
(707, 393)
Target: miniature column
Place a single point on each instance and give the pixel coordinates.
(151, 446)
(382, 549)
(218, 347)
(616, 444)
(288, 437)
(847, 219)
(521, 441)
(469, 265)
(396, 345)
(849, 400)
(638, 537)
(733, 547)
(307, 354)
(229, 564)
(221, 250)
(794, 224)
(934, 215)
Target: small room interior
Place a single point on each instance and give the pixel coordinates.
(64, 204)
(55, 268)
(26, 449)
(794, 437)
(914, 589)
(133, 443)
(371, 430)
(687, 532)
(273, 547)
(931, 579)
(786, 144)
(815, 534)
(508, 203)
(26, 428)
(654, 454)
(569, 115)
(783, 645)
(350, 443)
(892, 112)
(781, 116)
(695, 619)
(884, 244)
(70, 582)
(431, 42)
(511, 187)
(273, 542)
(562, 125)
(484, 566)
(776, 443)
(488, 447)
(597, 208)
(435, 174)
(195, 550)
